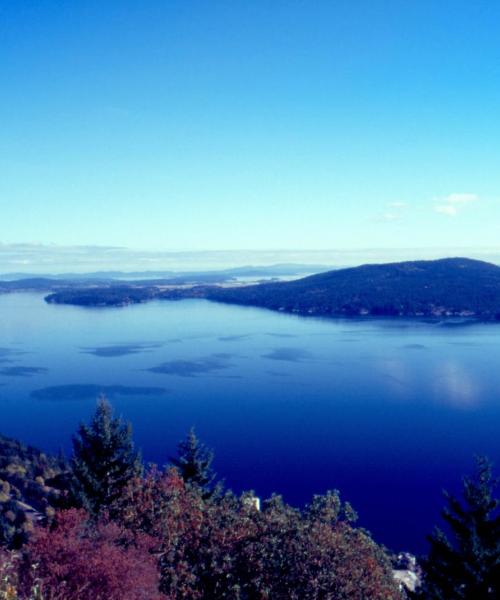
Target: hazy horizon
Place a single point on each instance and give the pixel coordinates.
(53, 259)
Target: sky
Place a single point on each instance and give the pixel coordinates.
(291, 126)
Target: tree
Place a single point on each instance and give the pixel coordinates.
(467, 567)
(104, 459)
(226, 549)
(194, 462)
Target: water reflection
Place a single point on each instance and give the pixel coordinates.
(456, 385)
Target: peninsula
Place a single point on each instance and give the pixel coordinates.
(449, 287)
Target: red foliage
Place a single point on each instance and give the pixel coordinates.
(78, 560)
(209, 548)
(223, 548)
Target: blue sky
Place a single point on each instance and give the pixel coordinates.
(192, 126)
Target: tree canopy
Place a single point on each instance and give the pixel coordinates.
(194, 462)
(464, 564)
(104, 459)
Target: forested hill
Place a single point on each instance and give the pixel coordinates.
(32, 485)
(445, 287)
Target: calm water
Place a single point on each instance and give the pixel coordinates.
(387, 411)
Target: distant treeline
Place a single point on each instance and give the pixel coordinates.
(441, 288)
(447, 287)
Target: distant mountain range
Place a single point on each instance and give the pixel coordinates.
(446, 287)
(140, 280)
(278, 270)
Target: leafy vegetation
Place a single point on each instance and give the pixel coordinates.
(32, 486)
(78, 559)
(223, 547)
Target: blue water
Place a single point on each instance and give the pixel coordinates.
(387, 411)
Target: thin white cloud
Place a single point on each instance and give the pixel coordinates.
(462, 198)
(385, 217)
(446, 209)
(390, 216)
(452, 204)
(394, 212)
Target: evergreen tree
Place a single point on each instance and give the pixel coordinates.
(104, 459)
(468, 567)
(194, 462)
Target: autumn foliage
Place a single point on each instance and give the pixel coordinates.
(226, 548)
(173, 535)
(80, 560)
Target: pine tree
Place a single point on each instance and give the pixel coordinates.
(104, 459)
(194, 462)
(468, 567)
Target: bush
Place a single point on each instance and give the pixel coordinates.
(79, 560)
(225, 548)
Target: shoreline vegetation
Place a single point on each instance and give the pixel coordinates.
(127, 532)
(453, 287)
(102, 525)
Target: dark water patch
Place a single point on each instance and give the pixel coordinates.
(233, 338)
(414, 347)
(6, 354)
(85, 391)
(193, 368)
(119, 349)
(288, 354)
(19, 371)
(277, 374)
(8, 351)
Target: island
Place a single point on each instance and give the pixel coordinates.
(449, 287)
